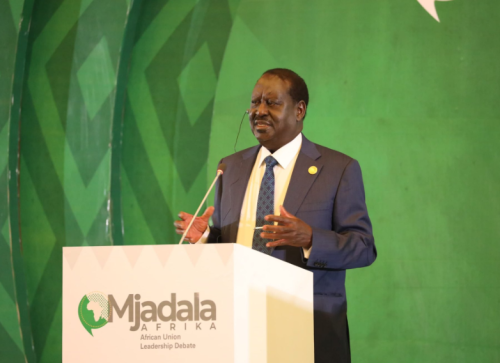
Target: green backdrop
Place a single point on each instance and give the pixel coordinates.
(114, 114)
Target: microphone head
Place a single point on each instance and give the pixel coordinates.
(221, 168)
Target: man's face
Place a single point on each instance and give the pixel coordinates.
(274, 116)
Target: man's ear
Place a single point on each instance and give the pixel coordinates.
(300, 110)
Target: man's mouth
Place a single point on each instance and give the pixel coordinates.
(261, 125)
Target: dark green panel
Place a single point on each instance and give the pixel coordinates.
(15, 328)
(8, 44)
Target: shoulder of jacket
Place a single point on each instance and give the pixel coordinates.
(334, 154)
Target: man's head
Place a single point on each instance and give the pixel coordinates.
(279, 103)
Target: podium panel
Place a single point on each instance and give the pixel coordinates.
(190, 303)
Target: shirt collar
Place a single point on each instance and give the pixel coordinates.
(285, 154)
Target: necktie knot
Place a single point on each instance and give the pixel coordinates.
(270, 162)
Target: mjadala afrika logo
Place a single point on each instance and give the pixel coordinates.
(93, 311)
(96, 310)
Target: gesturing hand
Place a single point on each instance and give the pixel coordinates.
(199, 226)
(290, 231)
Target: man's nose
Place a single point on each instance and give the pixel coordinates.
(262, 109)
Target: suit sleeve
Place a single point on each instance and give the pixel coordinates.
(350, 244)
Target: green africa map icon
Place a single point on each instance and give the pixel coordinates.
(93, 311)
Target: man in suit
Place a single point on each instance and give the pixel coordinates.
(319, 221)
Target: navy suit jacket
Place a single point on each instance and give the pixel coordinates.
(332, 202)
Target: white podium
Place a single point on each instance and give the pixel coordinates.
(216, 303)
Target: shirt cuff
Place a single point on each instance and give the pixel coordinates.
(307, 252)
(204, 237)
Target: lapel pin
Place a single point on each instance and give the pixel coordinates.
(312, 170)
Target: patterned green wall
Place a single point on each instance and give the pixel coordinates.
(120, 110)
(67, 112)
(176, 61)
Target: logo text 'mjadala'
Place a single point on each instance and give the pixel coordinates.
(168, 310)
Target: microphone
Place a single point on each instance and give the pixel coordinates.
(220, 171)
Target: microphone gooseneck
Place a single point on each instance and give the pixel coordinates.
(220, 170)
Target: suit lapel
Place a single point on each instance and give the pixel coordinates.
(239, 184)
(301, 180)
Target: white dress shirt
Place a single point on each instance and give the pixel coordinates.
(286, 157)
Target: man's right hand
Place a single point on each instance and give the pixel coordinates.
(199, 226)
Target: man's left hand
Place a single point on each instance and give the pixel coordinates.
(290, 231)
